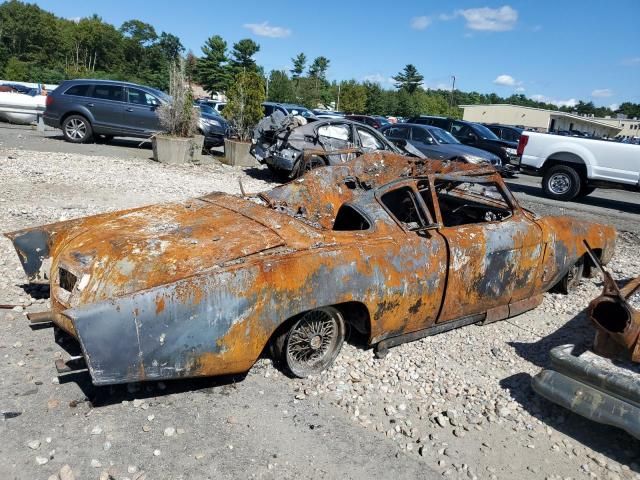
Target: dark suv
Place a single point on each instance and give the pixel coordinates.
(84, 108)
(473, 134)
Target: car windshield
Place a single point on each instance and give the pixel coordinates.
(207, 109)
(484, 132)
(303, 112)
(382, 121)
(442, 136)
(160, 94)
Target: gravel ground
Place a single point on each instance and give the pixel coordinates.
(457, 404)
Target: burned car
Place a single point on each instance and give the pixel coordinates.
(281, 142)
(393, 247)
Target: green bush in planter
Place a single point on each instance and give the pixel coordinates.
(244, 104)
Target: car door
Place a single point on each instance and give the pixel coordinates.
(495, 250)
(106, 105)
(424, 142)
(140, 113)
(420, 263)
(463, 133)
(337, 136)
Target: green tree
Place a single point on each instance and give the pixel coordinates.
(244, 106)
(171, 47)
(281, 88)
(299, 63)
(353, 97)
(409, 79)
(319, 67)
(190, 67)
(16, 70)
(375, 101)
(213, 70)
(242, 55)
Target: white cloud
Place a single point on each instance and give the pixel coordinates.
(265, 30)
(505, 80)
(378, 78)
(420, 23)
(631, 62)
(446, 16)
(614, 106)
(602, 93)
(520, 89)
(490, 19)
(572, 102)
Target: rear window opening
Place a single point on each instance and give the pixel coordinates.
(349, 219)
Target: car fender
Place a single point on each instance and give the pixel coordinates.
(570, 152)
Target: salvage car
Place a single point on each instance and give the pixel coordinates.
(394, 247)
(280, 142)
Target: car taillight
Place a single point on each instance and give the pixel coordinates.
(49, 101)
(524, 139)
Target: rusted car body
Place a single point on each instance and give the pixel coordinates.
(396, 247)
(604, 384)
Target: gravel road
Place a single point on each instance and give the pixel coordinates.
(457, 405)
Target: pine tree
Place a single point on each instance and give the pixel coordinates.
(409, 79)
(299, 62)
(213, 69)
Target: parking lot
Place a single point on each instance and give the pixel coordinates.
(457, 405)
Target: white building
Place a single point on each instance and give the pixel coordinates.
(543, 120)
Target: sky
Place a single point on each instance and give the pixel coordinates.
(552, 51)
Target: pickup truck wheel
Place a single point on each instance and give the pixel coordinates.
(586, 190)
(571, 280)
(313, 342)
(561, 182)
(77, 129)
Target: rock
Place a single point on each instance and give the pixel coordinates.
(132, 469)
(34, 444)
(146, 428)
(137, 403)
(41, 460)
(169, 432)
(156, 453)
(106, 445)
(441, 420)
(199, 456)
(66, 473)
(96, 430)
(95, 463)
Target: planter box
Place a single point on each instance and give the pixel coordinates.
(176, 150)
(237, 153)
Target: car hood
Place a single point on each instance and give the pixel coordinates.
(456, 149)
(208, 116)
(143, 248)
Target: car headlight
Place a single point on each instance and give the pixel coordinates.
(211, 122)
(510, 151)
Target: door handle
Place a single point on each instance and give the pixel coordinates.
(91, 105)
(129, 109)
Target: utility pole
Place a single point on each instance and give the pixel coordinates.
(338, 102)
(267, 78)
(453, 86)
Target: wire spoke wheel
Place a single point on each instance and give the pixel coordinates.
(314, 341)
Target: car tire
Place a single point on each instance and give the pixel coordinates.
(77, 129)
(586, 190)
(312, 343)
(571, 280)
(561, 182)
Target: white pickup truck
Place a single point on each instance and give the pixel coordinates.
(572, 166)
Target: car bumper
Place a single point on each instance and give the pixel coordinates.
(51, 120)
(593, 387)
(213, 135)
(285, 160)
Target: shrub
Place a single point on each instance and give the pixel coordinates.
(179, 118)
(244, 104)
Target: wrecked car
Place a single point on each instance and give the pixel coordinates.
(601, 384)
(281, 142)
(393, 247)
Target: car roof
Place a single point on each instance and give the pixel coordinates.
(105, 82)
